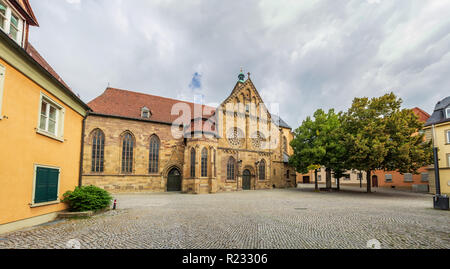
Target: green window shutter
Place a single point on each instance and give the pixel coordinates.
(40, 193)
(46, 189)
(52, 190)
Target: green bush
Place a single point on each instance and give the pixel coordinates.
(89, 198)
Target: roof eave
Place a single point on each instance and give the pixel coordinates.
(23, 53)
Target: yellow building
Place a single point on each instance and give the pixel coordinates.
(438, 129)
(41, 123)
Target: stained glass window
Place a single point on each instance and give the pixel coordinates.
(204, 162)
(98, 151)
(127, 153)
(154, 155)
(231, 167)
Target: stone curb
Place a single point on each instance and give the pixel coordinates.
(69, 215)
(85, 214)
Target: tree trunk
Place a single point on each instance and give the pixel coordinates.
(338, 184)
(329, 183)
(369, 181)
(316, 183)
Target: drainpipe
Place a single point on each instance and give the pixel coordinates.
(83, 130)
(436, 165)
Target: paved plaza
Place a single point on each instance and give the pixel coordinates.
(286, 219)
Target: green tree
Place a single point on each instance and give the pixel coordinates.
(319, 142)
(381, 135)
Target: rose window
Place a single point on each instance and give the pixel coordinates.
(236, 137)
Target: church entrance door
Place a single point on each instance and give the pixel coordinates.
(247, 180)
(174, 181)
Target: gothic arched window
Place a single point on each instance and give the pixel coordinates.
(193, 162)
(214, 161)
(231, 167)
(154, 155)
(98, 151)
(285, 145)
(262, 170)
(204, 162)
(127, 153)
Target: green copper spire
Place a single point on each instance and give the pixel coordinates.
(241, 76)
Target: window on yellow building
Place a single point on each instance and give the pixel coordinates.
(2, 15)
(46, 184)
(448, 136)
(14, 27)
(10, 22)
(51, 118)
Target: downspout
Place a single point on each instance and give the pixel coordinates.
(437, 180)
(83, 130)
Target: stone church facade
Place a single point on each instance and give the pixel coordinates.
(135, 142)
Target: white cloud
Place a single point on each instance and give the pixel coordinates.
(303, 54)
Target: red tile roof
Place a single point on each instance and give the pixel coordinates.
(423, 116)
(128, 104)
(26, 11)
(40, 60)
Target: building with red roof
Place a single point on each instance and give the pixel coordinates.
(140, 142)
(41, 122)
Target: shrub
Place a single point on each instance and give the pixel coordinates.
(89, 198)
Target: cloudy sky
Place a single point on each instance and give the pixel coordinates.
(303, 55)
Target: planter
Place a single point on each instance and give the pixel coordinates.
(71, 215)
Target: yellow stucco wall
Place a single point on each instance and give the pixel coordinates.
(444, 149)
(21, 148)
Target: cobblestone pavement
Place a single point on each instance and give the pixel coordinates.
(294, 218)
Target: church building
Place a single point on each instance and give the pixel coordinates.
(135, 142)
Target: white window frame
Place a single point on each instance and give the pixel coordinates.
(388, 178)
(406, 176)
(145, 110)
(2, 83)
(447, 136)
(57, 201)
(17, 28)
(5, 17)
(447, 113)
(59, 128)
(10, 11)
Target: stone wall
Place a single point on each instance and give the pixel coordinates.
(171, 155)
